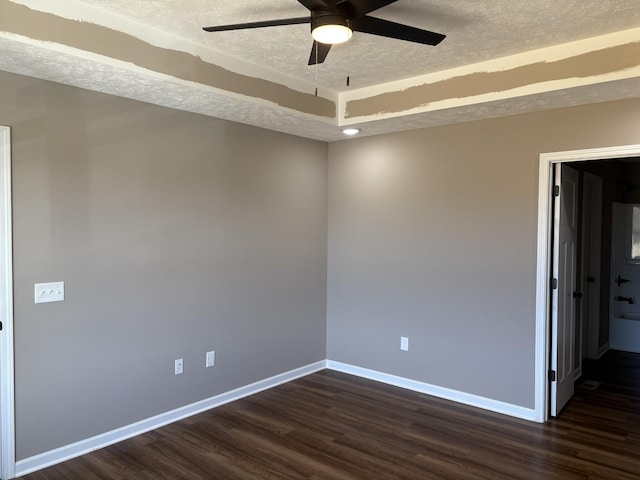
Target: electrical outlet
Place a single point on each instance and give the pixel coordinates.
(404, 344)
(179, 366)
(49, 292)
(210, 361)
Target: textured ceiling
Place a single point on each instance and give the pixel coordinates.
(477, 31)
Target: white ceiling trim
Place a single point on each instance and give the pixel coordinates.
(81, 12)
(548, 54)
(540, 56)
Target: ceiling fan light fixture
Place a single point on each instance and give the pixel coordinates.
(331, 29)
(334, 21)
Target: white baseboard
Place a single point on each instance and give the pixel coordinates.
(52, 457)
(67, 452)
(434, 390)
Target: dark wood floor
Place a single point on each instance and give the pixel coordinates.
(333, 426)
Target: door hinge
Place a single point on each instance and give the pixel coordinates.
(554, 284)
(556, 190)
(552, 375)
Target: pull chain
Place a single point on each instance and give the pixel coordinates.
(348, 62)
(315, 47)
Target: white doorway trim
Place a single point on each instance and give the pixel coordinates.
(7, 407)
(543, 275)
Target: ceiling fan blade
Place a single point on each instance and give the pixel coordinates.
(359, 8)
(385, 28)
(322, 50)
(267, 23)
(318, 4)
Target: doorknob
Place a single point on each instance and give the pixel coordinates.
(590, 279)
(577, 295)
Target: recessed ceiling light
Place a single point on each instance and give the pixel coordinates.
(351, 131)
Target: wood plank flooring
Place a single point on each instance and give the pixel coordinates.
(332, 426)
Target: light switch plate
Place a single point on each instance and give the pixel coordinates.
(49, 292)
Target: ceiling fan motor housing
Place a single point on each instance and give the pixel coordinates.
(320, 18)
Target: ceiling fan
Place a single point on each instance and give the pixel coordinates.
(334, 21)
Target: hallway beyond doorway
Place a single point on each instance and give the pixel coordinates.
(617, 375)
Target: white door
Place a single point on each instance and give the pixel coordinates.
(591, 256)
(563, 315)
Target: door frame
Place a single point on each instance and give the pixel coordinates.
(543, 268)
(7, 399)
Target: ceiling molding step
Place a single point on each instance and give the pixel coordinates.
(597, 60)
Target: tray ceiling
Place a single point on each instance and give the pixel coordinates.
(500, 57)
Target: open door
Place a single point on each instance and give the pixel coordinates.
(564, 295)
(591, 257)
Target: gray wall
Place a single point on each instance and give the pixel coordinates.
(177, 234)
(174, 234)
(432, 236)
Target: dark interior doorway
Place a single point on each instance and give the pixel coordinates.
(610, 376)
